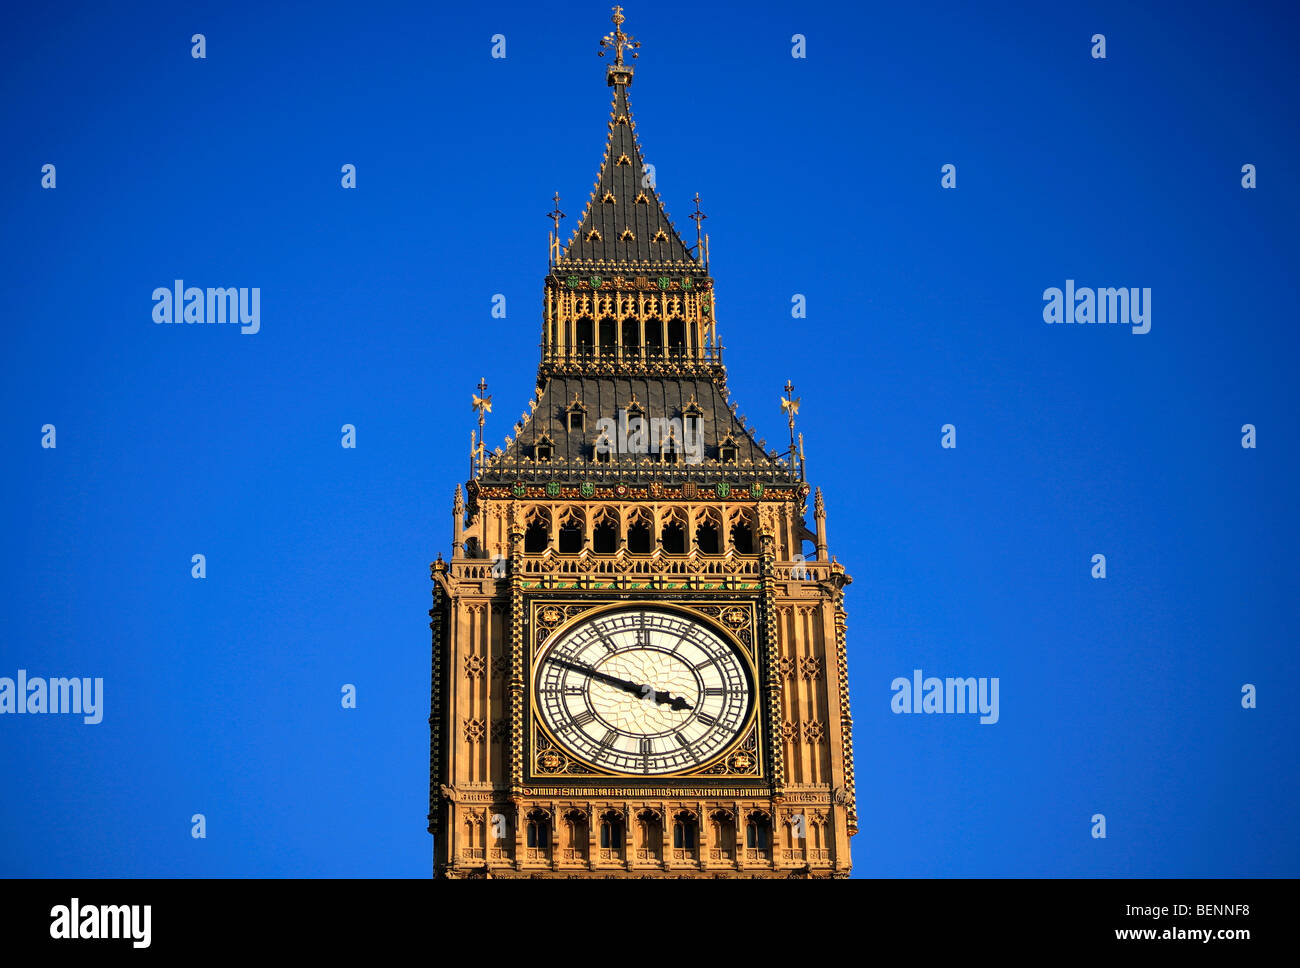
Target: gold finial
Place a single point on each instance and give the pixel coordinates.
(618, 40)
(790, 404)
(555, 217)
(483, 404)
(698, 218)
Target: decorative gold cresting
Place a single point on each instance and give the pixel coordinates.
(618, 72)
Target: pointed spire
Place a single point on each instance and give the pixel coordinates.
(819, 518)
(457, 524)
(624, 220)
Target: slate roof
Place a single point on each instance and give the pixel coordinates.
(625, 182)
(607, 397)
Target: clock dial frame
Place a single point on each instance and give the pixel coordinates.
(643, 690)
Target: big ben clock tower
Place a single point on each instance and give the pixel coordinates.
(639, 663)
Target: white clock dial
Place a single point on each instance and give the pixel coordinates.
(643, 690)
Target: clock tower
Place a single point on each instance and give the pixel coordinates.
(639, 661)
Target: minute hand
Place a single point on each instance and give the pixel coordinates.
(626, 685)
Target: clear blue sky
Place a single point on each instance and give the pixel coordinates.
(820, 176)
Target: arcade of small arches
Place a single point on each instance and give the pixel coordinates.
(632, 338)
(628, 323)
(671, 530)
(653, 834)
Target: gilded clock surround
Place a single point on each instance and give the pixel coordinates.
(551, 529)
(549, 760)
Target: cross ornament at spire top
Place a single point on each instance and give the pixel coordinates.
(618, 40)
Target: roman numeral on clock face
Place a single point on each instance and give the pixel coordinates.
(715, 691)
(610, 738)
(707, 719)
(583, 718)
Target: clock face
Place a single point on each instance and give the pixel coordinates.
(643, 691)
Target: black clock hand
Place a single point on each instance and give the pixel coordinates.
(673, 702)
(623, 684)
(662, 698)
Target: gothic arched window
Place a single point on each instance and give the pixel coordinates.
(631, 336)
(651, 833)
(684, 831)
(538, 832)
(575, 833)
(676, 336)
(654, 336)
(673, 538)
(742, 535)
(570, 536)
(638, 535)
(537, 536)
(611, 831)
(724, 832)
(604, 536)
(608, 335)
(707, 538)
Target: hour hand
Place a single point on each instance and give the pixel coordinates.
(673, 702)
